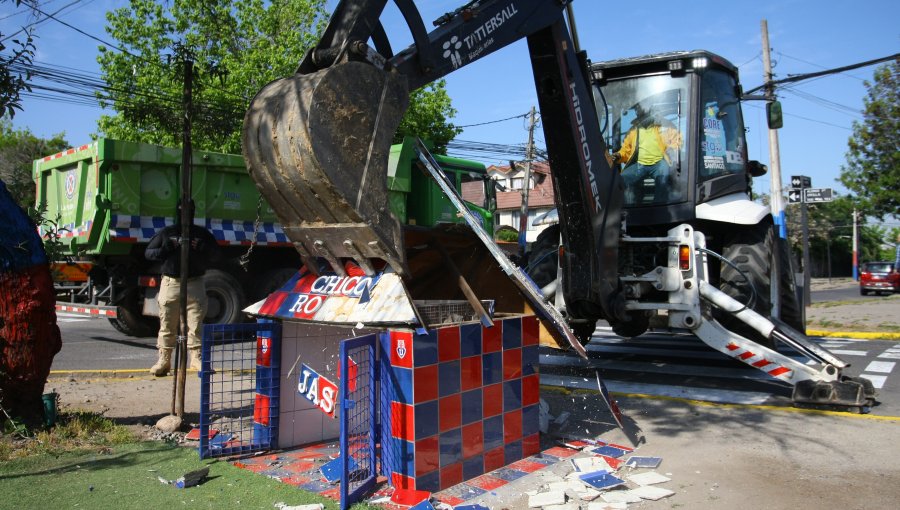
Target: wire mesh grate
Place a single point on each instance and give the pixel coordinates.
(240, 386)
(437, 312)
(358, 408)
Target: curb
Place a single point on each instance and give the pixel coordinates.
(121, 373)
(859, 335)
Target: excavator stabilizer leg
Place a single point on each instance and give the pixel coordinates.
(849, 393)
(317, 146)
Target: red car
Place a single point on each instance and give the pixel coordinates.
(878, 277)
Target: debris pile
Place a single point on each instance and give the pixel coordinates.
(602, 476)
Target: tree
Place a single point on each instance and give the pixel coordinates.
(237, 45)
(13, 76)
(873, 159)
(830, 227)
(427, 117)
(18, 149)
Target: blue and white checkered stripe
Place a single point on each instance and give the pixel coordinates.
(143, 228)
(241, 232)
(68, 230)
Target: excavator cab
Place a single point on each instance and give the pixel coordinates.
(673, 123)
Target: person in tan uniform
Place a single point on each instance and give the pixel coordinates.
(165, 247)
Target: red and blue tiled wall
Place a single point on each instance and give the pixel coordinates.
(458, 402)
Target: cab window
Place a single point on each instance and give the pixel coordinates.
(722, 147)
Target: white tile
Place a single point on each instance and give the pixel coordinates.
(652, 493)
(884, 367)
(546, 499)
(648, 478)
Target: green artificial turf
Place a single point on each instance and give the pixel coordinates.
(127, 476)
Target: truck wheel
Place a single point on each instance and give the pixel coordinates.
(131, 322)
(270, 281)
(225, 298)
(543, 258)
(751, 250)
(792, 312)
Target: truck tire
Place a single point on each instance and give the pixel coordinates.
(272, 280)
(792, 311)
(751, 250)
(543, 258)
(225, 298)
(129, 321)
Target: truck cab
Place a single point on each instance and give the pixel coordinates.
(684, 108)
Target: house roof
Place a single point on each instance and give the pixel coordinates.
(539, 196)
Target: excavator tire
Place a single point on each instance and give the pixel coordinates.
(751, 250)
(543, 259)
(792, 312)
(637, 326)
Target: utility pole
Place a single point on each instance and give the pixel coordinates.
(526, 183)
(774, 153)
(187, 218)
(806, 275)
(855, 246)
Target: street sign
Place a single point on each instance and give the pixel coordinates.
(814, 195)
(795, 196)
(800, 181)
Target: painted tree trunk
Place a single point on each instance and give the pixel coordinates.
(29, 336)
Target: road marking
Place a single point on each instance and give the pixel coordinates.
(877, 380)
(659, 390)
(880, 366)
(849, 353)
(890, 355)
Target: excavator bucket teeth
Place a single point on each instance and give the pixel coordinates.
(317, 146)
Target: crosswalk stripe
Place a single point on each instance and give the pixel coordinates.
(664, 390)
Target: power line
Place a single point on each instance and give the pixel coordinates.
(494, 121)
(804, 118)
(807, 76)
(38, 21)
(817, 65)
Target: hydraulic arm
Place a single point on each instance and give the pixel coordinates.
(317, 142)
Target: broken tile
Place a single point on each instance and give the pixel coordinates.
(588, 464)
(588, 494)
(620, 497)
(424, 505)
(601, 479)
(567, 506)
(572, 485)
(546, 499)
(648, 478)
(611, 451)
(651, 493)
(608, 506)
(643, 462)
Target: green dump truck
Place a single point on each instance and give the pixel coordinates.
(109, 197)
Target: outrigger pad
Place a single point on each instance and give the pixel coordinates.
(317, 146)
(844, 393)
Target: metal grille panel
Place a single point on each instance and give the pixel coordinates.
(358, 424)
(239, 388)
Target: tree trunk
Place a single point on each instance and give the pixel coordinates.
(29, 336)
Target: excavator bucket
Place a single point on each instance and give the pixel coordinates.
(317, 146)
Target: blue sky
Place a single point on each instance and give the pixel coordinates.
(805, 36)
